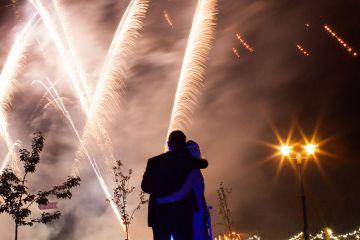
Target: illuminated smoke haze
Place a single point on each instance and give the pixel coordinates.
(239, 99)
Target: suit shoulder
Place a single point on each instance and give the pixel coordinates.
(158, 157)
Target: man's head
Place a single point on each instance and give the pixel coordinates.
(177, 140)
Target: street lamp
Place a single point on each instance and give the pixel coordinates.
(285, 150)
(305, 153)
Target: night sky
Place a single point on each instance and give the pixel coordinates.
(243, 101)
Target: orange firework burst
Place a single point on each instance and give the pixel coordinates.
(247, 46)
(236, 52)
(167, 18)
(342, 42)
(302, 50)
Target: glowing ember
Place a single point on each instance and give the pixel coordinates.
(341, 41)
(236, 52)
(245, 44)
(167, 18)
(302, 50)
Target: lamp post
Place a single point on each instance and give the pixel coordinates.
(306, 153)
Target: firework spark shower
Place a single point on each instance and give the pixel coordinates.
(105, 100)
(7, 82)
(107, 80)
(123, 39)
(193, 68)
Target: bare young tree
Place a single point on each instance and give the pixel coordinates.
(15, 198)
(224, 210)
(121, 194)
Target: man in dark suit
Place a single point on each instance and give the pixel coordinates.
(164, 175)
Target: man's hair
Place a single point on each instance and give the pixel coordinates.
(177, 140)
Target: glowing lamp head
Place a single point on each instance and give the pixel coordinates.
(285, 150)
(310, 149)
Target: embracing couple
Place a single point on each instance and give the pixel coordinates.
(174, 181)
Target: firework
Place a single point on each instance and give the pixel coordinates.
(341, 41)
(68, 60)
(245, 44)
(7, 81)
(106, 96)
(105, 101)
(236, 52)
(167, 18)
(73, 70)
(193, 67)
(302, 50)
(55, 97)
(112, 74)
(79, 71)
(62, 50)
(97, 108)
(111, 83)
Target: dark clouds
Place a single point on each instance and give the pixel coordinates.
(241, 98)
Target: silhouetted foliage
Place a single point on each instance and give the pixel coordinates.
(15, 198)
(121, 193)
(224, 210)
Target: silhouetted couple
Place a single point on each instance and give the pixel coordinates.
(174, 181)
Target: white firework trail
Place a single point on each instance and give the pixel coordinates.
(111, 81)
(79, 83)
(192, 72)
(7, 81)
(51, 102)
(48, 91)
(93, 163)
(9, 70)
(61, 106)
(112, 75)
(108, 82)
(69, 62)
(57, 99)
(110, 85)
(54, 98)
(64, 28)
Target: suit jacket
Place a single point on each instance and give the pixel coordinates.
(165, 174)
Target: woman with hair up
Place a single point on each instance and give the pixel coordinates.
(195, 183)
